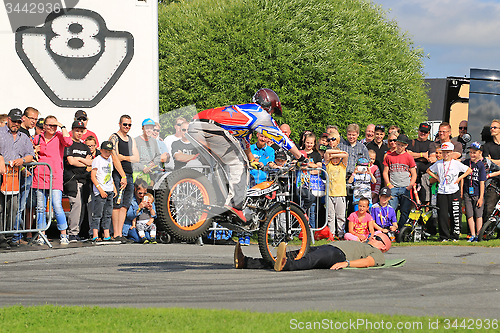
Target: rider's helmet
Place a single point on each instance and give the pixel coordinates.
(268, 100)
(363, 161)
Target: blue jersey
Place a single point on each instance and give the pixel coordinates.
(244, 119)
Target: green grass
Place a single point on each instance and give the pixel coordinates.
(49, 318)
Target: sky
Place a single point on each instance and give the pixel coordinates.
(456, 35)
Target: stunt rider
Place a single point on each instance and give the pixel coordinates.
(225, 132)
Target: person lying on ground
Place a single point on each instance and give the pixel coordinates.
(335, 255)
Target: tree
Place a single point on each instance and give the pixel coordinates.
(332, 62)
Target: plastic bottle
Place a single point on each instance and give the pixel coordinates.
(120, 195)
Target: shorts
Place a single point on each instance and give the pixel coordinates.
(128, 192)
(471, 208)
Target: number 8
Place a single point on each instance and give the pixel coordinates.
(75, 37)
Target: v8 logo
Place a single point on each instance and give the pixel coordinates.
(73, 57)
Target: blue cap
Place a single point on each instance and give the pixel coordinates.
(148, 121)
(363, 161)
(475, 145)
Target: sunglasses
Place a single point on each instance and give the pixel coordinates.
(156, 130)
(17, 121)
(392, 140)
(379, 239)
(82, 119)
(462, 128)
(147, 192)
(494, 127)
(179, 124)
(184, 129)
(127, 125)
(51, 126)
(380, 128)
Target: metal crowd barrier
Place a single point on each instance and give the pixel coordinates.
(319, 186)
(18, 200)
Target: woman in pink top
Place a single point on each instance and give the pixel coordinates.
(52, 144)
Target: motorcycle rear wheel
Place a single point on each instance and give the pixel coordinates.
(181, 201)
(273, 231)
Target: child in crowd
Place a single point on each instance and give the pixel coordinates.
(384, 215)
(104, 191)
(472, 190)
(446, 172)
(145, 220)
(376, 172)
(391, 142)
(361, 224)
(308, 200)
(362, 178)
(336, 165)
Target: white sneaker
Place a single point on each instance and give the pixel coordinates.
(64, 240)
(39, 241)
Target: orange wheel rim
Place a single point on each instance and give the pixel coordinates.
(303, 243)
(204, 195)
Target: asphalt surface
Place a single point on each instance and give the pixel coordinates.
(444, 280)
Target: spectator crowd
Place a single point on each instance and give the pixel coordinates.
(370, 180)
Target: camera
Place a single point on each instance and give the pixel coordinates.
(362, 168)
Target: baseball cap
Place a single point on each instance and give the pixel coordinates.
(39, 123)
(380, 128)
(80, 114)
(424, 127)
(324, 135)
(447, 146)
(385, 191)
(148, 121)
(363, 161)
(475, 145)
(402, 138)
(16, 115)
(78, 124)
(107, 145)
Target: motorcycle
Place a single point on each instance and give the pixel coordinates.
(189, 201)
(491, 225)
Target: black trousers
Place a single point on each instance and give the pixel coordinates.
(449, 210)
(320, 257)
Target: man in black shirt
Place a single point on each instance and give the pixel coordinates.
(378, 145)
(183, 151)
(419, 150)
(76, 159)
(30, 117)
(492, 148)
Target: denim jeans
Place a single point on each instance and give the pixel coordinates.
(103, 209)
(24, 191)
(397, 199)
(41, 204)
(132, 233)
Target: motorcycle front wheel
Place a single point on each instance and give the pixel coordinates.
(487, 232)
(274, 230)
(405, 234)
